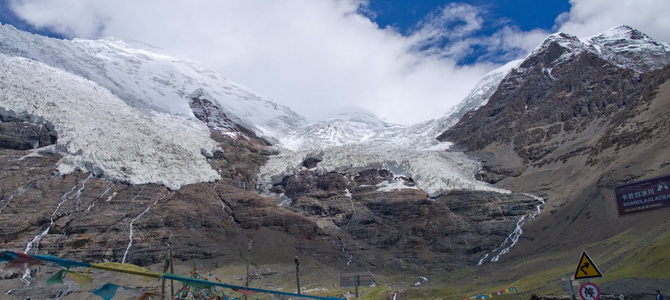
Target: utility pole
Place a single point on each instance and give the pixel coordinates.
(171, 265)
(168, 264)
(358, 282)
(246, 283)
(297, 273)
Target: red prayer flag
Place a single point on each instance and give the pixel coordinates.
(20, 261)
(245, 292)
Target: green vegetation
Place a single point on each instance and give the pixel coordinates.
(650, 261)
(629, 254)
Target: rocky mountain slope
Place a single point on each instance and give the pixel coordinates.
(574, 120)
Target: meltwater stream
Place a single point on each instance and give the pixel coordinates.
(132, 222)
(513, 237)
(34, 243)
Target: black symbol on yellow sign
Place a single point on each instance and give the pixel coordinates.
(586, 268)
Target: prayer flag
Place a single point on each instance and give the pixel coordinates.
(107, 291)
(19, 260)
(57, 277)
(82, 279)
(127, 268)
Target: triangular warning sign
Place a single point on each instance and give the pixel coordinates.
(586, 268)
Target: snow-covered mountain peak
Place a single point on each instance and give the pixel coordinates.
(627, 47)
(347, 126)
(623, 46)
(621, 32)
(153, 82)
(555, 50)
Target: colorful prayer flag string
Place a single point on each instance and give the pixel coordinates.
(26, 260)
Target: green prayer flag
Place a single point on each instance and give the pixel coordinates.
(57, 277)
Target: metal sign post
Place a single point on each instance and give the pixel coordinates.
(586, 268)
(358, 282)
(643, 196)
(568, 284)
(589, 291)
(356, 279)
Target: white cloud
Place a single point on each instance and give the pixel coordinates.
(453, 21)
(321, 56)
(314, 56)
(589, 17)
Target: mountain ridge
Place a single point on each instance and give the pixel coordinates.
(568, 123)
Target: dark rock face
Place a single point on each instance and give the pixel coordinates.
(340, 218)
(403, 229)
(242, 151)
(218, 122)
(19, 134)
(311, 162)
(89, 218)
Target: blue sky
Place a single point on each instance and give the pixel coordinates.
(406, 61)
(526, 14)
(407, 16)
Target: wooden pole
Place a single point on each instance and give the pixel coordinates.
(171, 265)
(166, 266)
(297, 273)
(246, 282)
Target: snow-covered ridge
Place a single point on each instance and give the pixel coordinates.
(100, 133)
(627, 47)
(150, 81)
(622, 46)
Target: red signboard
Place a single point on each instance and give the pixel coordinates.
(642, 196)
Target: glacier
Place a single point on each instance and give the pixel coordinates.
(149, 94)
(101, 134)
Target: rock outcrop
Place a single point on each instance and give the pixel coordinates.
(22, 134)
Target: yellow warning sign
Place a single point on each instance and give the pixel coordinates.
(586, 268)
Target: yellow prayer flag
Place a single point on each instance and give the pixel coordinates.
(82, 279)
(126, 268)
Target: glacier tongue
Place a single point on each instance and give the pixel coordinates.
(101, 134)
(433, 171)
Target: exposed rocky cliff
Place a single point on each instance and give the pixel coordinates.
(21, 134)
(384, 221)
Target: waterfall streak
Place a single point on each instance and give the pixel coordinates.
(109, 188)
(132, 222)
(353, 208)
(77, 195)
(513, 237)
(6, 203)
